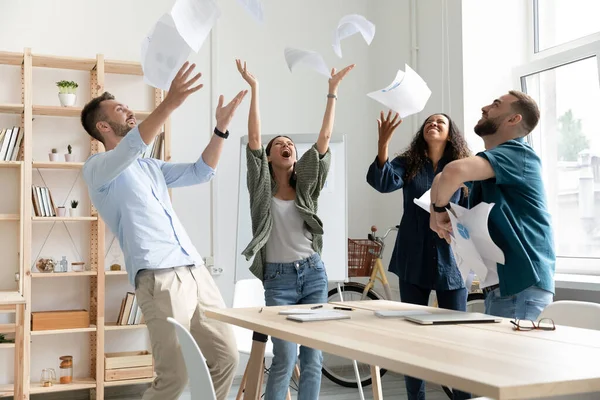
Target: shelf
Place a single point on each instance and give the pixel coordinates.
(129, 382)
(61, 274)
(9, 58)
(75, 63)
(7, 328)
(123, 67)
(10, 164)
(11, 108)
(9, 217)
(7, 345)
(92, 328)
(57, 165)
(57, 111)
(10, 298)
(65, 219)
(114, 327)
(115, 272)
(78, 384)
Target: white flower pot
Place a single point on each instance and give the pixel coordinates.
(53, 156)
(61, 212)
(67, 99)
(73, 212)
(69, 157)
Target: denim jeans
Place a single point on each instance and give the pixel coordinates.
(300, 282)
(448, 299)
(527, 304)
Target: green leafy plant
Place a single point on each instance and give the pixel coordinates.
(74, 203)
(3, 339)
(69, 149)
(54, 151)
(67, 87)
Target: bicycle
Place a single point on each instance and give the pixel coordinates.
(365, 260)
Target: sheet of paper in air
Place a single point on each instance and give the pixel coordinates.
(194, 19)
(254, 7)
(406, 95)
(350, 25)
(163, 52)
(424, 201)
(310, 59)
(471, 244)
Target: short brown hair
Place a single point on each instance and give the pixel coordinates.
(528, 108)
(92, 113)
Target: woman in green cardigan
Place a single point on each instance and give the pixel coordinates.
(287, 233)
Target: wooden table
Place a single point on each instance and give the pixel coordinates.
(16, 299)
(484, 359)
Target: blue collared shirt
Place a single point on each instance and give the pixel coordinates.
(419, 257)
(131, 195)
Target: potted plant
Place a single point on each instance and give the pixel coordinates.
(61, 211)
(73, 209)
(69, 155)
(53, 155)
(66, 93)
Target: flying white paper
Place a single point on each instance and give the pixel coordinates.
(254, 7)
(471, 243)
(406, 95)
(310, 59)
(424, 201)
(194, 19)
(163, 52)
(350, 25)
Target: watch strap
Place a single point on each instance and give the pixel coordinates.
(221, 134)
(442, 209)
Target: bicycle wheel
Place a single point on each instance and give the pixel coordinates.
(475, 303)
(338, 369)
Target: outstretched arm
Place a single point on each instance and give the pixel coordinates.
(254, 114)
(328, 119)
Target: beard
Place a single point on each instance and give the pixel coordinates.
(119, 129)
(487, 127)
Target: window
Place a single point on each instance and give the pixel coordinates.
(566, 87)
(562, 21)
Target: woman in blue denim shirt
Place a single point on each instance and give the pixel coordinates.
(421, 259)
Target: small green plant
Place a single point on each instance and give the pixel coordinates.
(69, 149)
(74, 203)
(67, 87)
(54, 151)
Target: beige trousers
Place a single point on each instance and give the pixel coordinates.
(183, 293)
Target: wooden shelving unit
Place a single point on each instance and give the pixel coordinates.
(23, 385)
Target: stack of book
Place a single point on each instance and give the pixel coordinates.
(11, 140)
(43, 205)
(130, 313)
(155, 151)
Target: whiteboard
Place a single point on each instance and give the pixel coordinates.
(332, 209)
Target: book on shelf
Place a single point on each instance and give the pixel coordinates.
(130, 313)
(11, 142)
(43, 205)
(155, 151)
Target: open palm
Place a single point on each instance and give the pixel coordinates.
(248, 77)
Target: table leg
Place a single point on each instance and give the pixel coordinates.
(255, 366)
(376, 382)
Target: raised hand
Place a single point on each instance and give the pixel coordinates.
(336, 78)
(248, 77)
(225, 114)
(181, 86)
(387, 126)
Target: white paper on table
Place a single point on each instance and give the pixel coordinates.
(350, 25)
(424, 201)
(406, 95)
(163, 52)
(471, 243)
(303, 311)
(194, 19)
(310, 59)
(254, 7)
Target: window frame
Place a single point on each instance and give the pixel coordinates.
(547, 60)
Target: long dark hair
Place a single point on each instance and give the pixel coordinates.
(293, 177)
(416, 154)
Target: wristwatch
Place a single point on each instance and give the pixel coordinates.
(441, 209)
(221, 134)
(331, 96)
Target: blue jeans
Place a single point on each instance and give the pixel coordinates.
(300, 282)
(448, 299)
(527, 304)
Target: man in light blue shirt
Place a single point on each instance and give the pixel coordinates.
(131, 195)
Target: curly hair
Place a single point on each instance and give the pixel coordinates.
(416, 154)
